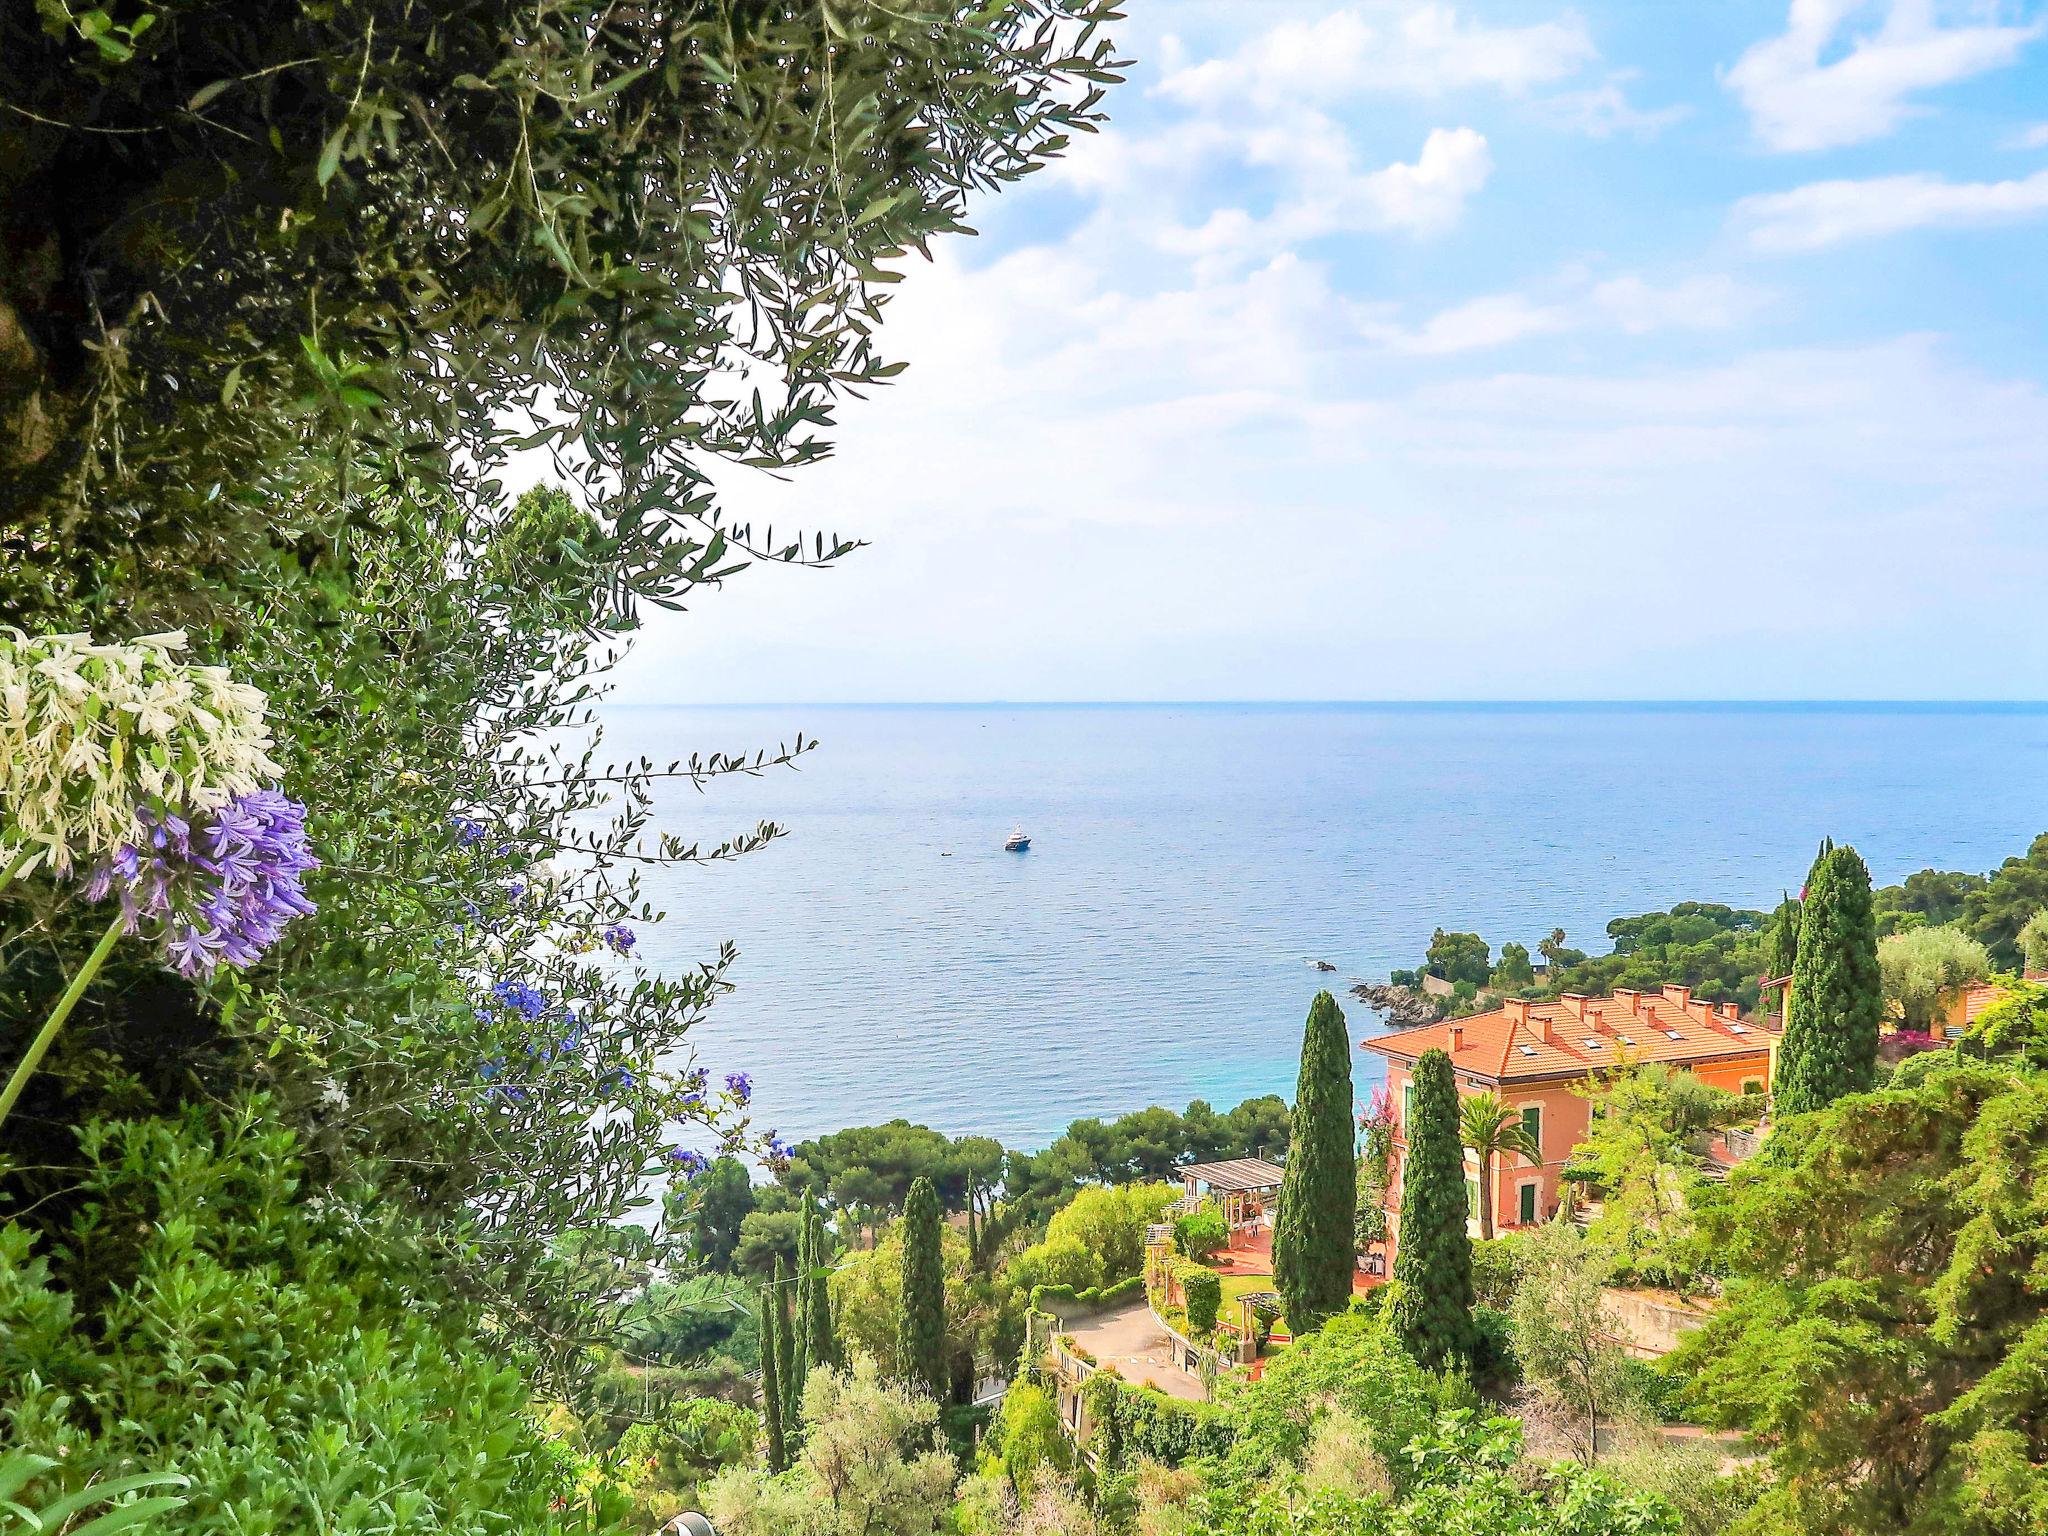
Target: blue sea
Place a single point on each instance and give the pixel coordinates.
(1188, 862)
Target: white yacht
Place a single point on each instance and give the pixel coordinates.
(1017, 842)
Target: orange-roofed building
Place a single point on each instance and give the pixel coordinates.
(1532, 1054)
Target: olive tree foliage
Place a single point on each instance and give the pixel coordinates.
(1925, 969)
(283, 289)
(255, 256)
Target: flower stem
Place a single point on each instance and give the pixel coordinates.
(14, 867)
(25, 1068)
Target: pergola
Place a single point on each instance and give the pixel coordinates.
(1243, 1186)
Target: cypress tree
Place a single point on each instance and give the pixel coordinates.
(786, 1369)
(817, 1319)
(772, 1446)
(790, 1362)
(1829, 1047)
(1314, 1243)
(921, 1318)
(1432, 1310)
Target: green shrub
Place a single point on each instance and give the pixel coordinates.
(1496, 1266)
(1203, 1291)
(279, 1354)
(1200, 1233)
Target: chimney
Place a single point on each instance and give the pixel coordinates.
(1516, 1009)
(1679, 995)
(1549, 1027)
(1630, 999)
(1457, 1038)
(1574, 1004)
(1727, 1010)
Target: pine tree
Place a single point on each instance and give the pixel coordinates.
(1829, 1047)
(787, 1378)
(819, 1348)
(772, 1447)
(921, 1320)
(1432, 1310)
(1314, 1244)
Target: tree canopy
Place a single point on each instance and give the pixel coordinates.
(1313, 1242)
(1432, 1306)
(1829, 1046)
(1886, 1313)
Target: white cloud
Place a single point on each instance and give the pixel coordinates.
(1826, 213)
(1325, 195)
(1798, 98)
(2034, 137)
(1604, 110)
(1423, 50)
(1628, 303)
(1431, 193)
(1493, 320)
(1706, 303)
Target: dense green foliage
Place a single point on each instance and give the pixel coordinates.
(1927, 898)
(1200, 1232)
(1830, 1041)
(1432, 1305)
(1202, 1291)
(868, 1467)
(1644, 1152)
(819, 1347)
(277, 1351)
(1887, 1312)
(724, 1198)
(1924, 969)
(1456, 957)
(921, 1323)
(1718, 951)
(1313, 1244)
(332, 246)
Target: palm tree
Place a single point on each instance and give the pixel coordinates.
(1490, 1128)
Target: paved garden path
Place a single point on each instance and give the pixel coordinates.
(1133, 1342)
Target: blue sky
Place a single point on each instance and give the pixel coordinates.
(1408, 351)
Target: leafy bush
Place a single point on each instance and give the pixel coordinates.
(1202, 1290)
(1111, 1222)
(1200, 1233)
(1496, 1266)
(276, 1352)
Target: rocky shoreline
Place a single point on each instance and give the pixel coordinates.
(1402, 1007)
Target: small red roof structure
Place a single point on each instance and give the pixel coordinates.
(1523, 1040)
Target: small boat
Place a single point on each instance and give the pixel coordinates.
(1018, 841)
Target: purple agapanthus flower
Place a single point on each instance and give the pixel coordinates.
(619, 939)
(219, 893)
(468, 830)
(779, 1151)
(740, 1086)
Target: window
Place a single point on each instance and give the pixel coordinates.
(1407, 1107)
(1532, 1125)
(1752, 1085)
(1526, 1211)
(1472, 1199)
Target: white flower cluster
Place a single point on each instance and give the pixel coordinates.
(91, 735)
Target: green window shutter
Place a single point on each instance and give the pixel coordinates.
(1532, 1122)
(1528, 1206)
(1472, 1198)
(1407, 1106)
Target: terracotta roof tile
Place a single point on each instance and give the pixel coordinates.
(1574, 1035)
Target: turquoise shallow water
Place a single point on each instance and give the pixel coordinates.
(1189, 860)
